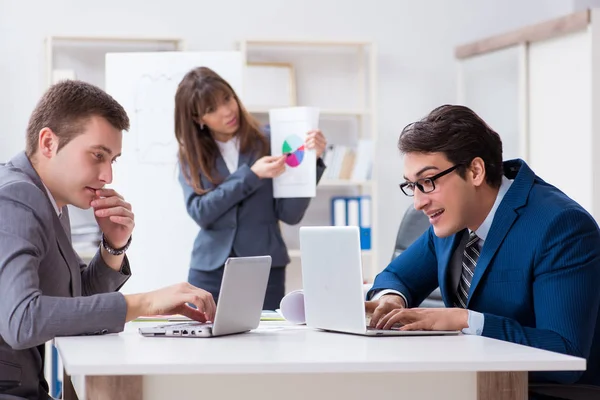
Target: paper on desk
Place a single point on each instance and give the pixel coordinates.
(289, 127)
(292, 307)
(268, 315)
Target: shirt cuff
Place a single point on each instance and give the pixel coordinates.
(475, 321)
(379, 294)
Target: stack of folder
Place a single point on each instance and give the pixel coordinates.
(353, 211)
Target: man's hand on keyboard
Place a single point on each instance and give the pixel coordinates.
(383, 306)
(173, 300)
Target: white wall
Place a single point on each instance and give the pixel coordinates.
(415, 40)
(553, 111)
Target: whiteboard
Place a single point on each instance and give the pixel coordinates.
(146, 173)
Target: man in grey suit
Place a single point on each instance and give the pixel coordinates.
(73, 137)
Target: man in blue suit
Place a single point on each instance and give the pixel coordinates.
(514, 257)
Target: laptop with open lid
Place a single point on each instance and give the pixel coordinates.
(239, 308)
(332, 280)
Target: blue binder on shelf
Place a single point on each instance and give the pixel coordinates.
(353, 211)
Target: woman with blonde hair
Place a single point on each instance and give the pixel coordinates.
(226, 175)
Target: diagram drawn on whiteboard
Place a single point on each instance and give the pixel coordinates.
(153, 120)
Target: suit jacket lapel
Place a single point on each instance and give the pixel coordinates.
(222, 167)
(61, 228)
(247, 158)
(503, 220)
(506, 214)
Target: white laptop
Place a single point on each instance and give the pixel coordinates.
(333, 282)
(241, 299)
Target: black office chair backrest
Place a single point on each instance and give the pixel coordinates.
(8, 385)
(414, 223)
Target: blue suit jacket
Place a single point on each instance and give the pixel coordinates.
(240, 214)
(537, 281)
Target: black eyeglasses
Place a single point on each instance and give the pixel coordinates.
(425, 185)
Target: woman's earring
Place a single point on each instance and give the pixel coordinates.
(201, 126)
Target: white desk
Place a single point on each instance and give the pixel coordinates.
(291, 363)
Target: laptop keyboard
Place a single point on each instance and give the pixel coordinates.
(186, 325)
(383, 330)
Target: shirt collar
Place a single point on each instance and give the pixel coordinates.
(484, 228)
(58, 211)
(233, 142)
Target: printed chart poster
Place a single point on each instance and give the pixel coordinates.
(289, 128)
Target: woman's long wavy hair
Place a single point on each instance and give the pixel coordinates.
(199, 90)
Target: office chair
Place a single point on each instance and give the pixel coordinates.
(6, 385)
(414, 223)
(550, 391)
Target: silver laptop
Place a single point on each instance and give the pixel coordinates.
(333, 282)
(241, 299)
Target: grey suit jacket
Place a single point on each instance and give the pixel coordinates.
(45, 288)
(240, 215)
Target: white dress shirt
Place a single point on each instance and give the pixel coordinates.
(58, 211)
(230, 151)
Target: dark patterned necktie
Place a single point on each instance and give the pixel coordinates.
(469, 262)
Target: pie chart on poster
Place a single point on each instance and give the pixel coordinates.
(293, 145)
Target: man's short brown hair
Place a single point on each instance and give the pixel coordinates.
(461, 135)
(66, 107)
